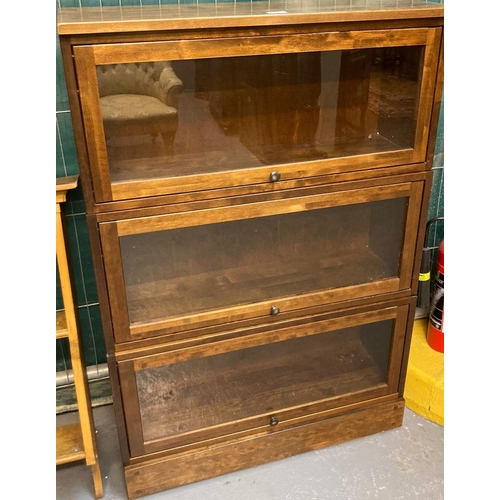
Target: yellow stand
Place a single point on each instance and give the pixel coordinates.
(75, 441)
(424, 389)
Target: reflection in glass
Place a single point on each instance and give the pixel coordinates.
(209, 115)
(139, 109)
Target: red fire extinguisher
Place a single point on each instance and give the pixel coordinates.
(435, 328)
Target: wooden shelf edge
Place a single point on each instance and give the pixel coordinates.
(66, 183)
(61, 325)
(69, 444)
(63, 185)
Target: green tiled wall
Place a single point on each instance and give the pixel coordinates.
(67, 164)
(436, 206)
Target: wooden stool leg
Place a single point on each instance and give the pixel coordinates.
(96, 473)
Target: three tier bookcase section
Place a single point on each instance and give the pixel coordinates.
(256, 179)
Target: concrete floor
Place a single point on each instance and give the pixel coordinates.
(401, 464)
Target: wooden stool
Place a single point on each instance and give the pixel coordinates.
(74, 441)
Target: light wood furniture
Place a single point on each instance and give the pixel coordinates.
(76, 441)
(258, 280)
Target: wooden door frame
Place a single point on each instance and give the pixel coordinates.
(110, 233)
(86, 58)
(288, 417)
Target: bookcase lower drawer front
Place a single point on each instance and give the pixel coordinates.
(260, 381)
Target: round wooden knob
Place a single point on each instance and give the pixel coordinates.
(275, 176)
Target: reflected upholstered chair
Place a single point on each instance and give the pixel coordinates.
(140, 99)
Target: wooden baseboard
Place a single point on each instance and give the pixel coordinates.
(188, 467)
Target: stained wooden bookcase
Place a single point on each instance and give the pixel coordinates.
(256, 178)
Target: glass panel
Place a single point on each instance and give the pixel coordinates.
(189, 270)
(204, 392)
(169, 119)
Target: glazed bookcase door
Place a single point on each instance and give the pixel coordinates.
(164, 117)
(187, 270)
(262, 382)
